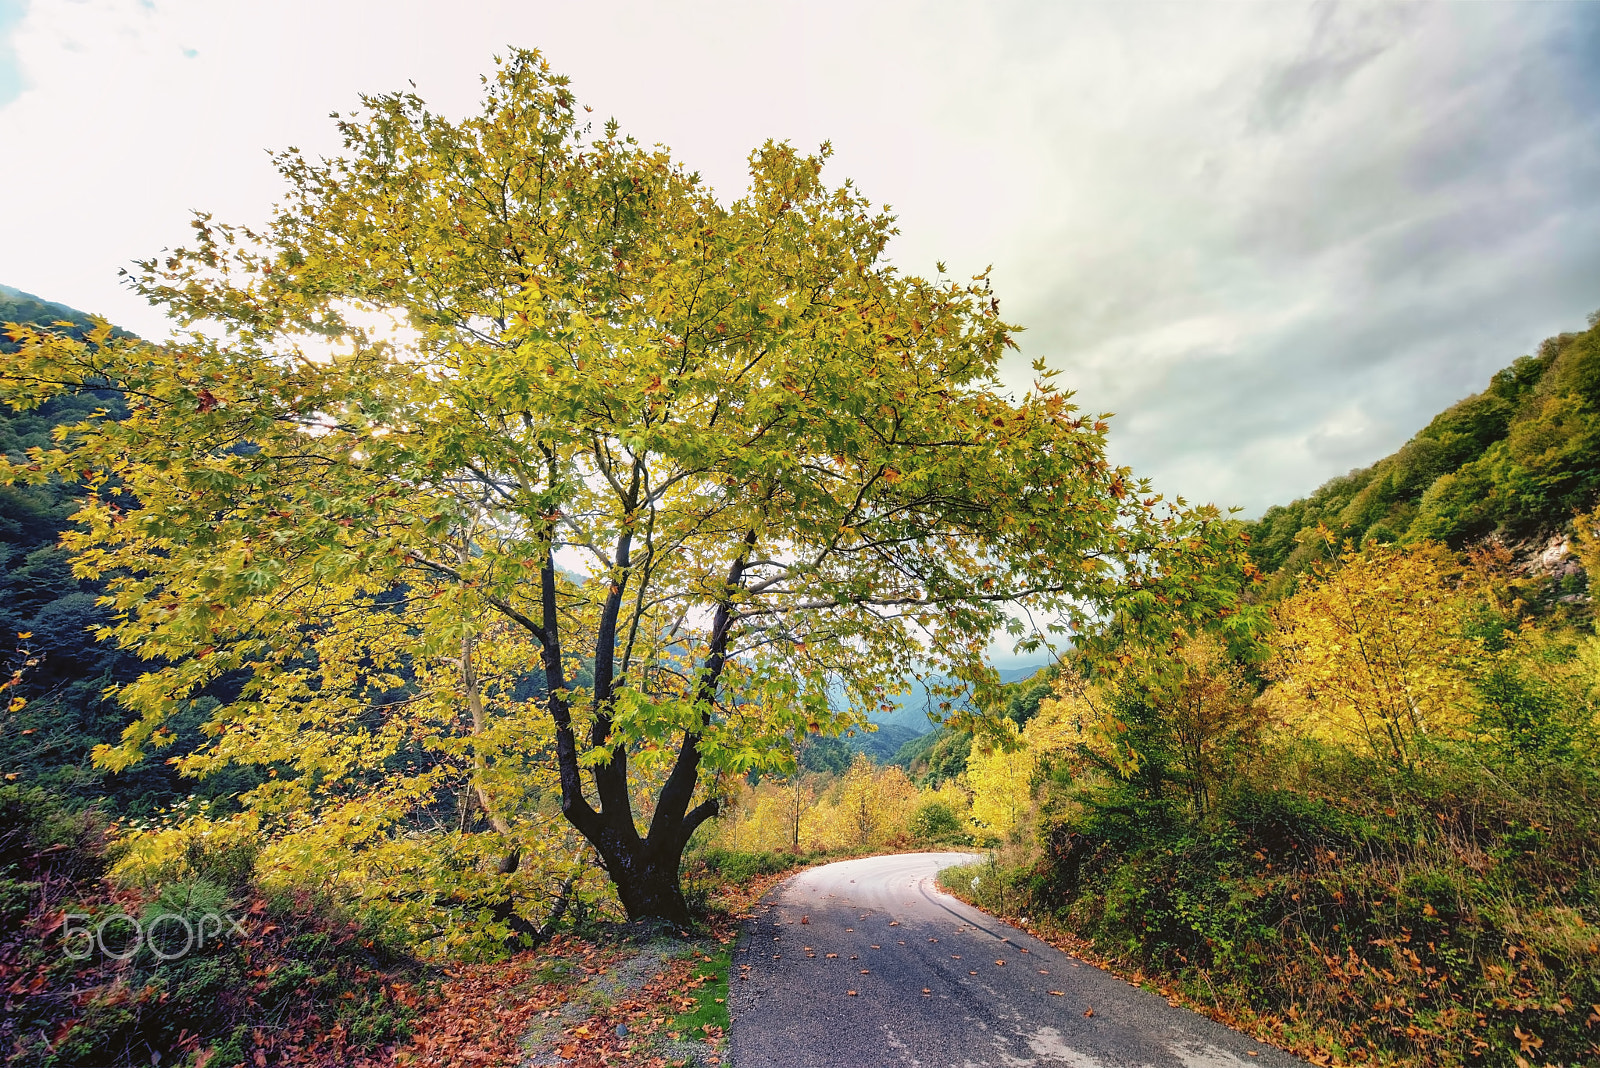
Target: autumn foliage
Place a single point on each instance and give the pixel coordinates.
(509, 476)
(1362, 826)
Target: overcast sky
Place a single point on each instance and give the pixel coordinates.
(1275, 238)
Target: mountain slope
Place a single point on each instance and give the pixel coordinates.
(54, 717)
(17, 306)
(1515, 461)
(912, 709)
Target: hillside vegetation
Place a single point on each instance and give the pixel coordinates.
(1358, 813)
(1515, 462)
(57, 710)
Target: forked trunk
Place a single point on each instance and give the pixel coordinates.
(648, 885)
(643, 868)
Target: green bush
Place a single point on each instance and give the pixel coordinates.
(737, 866)
(182, 917)
(937, 821)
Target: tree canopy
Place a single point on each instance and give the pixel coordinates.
(508, 463)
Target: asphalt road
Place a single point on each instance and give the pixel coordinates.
(937, 983)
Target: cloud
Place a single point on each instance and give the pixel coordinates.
(1414, 216)
(1274, 238)
(1337, 50)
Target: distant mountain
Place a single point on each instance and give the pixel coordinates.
(17, 306)
(882, 744)
(1515, 462)
(18, 295)
(911, 709)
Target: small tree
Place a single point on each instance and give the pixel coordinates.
(1376, 649)
(508, 388)
(1001, 779)
(1202, 699)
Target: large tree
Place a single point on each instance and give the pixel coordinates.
(509, 397)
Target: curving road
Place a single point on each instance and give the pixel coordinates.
(939, 984)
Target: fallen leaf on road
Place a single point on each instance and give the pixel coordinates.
(852, 993)
(1057, 993)
(805, 919)
(1088, 1012)
(894, 923)
(925, 990)
(830, 956)
(1000, 964)
(864, 971)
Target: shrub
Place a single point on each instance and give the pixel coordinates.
(938, 821)
(219, 851)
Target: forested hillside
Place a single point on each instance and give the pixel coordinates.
(56, 708)
(1515, 461)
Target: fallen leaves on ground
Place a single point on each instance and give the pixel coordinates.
(481, 1011)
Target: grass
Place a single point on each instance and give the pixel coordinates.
(708, 989)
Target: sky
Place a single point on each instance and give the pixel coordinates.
(1273, 238)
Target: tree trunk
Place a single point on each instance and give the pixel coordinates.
(647, 883)
(644, 869)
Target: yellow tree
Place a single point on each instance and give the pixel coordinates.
(1203, 710)
(1079, 720)
(872, 805)
(1373, 649)
(711, 461)
(1001, 779)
